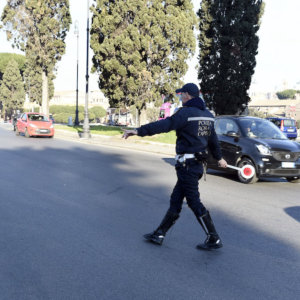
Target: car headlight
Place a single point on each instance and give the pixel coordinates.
(32, 125)
(263, 150)
(51, 126)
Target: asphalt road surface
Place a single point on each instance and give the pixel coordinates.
(72, 217)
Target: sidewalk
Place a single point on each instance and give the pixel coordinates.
(118, 142)
(130, 143)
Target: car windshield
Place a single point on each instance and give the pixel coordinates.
(260, 128)
(38, 118)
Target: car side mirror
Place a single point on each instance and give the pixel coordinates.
(233, 134)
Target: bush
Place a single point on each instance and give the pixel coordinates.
(287, 94)
(62, 117)
(91, 116)
(58, 109)
(152, 114)
(61, 113)
(98, 111)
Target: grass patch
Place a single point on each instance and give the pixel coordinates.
(168, 138)
(98, 129)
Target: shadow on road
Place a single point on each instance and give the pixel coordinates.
(71, 224)
(294, 212)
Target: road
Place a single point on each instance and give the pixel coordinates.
(72, 217)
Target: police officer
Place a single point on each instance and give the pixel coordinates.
(194, 126)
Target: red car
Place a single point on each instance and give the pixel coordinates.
(34, 124)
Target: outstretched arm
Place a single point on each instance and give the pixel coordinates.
(171, 123)
(128, 133)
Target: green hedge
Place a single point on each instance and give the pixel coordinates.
(287, 94)
(60, 109)
(61, 113)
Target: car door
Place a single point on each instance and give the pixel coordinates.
(228, 134)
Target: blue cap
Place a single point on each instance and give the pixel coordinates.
(190, 88)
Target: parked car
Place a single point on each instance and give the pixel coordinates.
(34, 124)
(287, 125)
(258, 142)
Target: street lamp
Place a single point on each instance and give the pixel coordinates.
(86, 125)
(76, 32)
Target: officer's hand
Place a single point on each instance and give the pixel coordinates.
(128, 133)
(222, 163)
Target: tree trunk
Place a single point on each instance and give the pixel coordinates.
(45, 104)
(138, 117)
(3, 112)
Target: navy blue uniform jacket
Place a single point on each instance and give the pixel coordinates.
(194, 126)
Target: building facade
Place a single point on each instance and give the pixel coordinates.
(96, 98)
(275, 107)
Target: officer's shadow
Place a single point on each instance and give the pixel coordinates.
(293, 212)
(169, 160)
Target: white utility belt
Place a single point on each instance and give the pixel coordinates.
(183, 157)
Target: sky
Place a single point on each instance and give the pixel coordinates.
(278, 59)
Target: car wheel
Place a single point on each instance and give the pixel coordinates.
(17, 131)
(294, 179)
(27, 133)
(243, 162)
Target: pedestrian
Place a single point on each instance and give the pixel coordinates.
(194, 126)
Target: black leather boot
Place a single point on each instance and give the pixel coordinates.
(158, 235)
(213, 240)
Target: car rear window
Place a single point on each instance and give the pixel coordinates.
(289, 122)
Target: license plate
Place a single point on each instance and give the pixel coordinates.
(43, 130)
(288, 164)
(290, 130)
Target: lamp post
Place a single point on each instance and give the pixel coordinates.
(86, 125)
(76, 32)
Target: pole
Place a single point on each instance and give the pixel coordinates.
(76, 31)
(86, 126)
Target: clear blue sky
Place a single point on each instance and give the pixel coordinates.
(278, 59)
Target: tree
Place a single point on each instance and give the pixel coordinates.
(12, 93)
(287, 94)
(39, 28)
(141, 48)
(5, 58)
(152, 114)
(228, 45)
(34, 82)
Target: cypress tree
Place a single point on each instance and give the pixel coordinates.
(228, 46)
(5, 58)
(39, 28)
(12, 93)
(34, 83)
(141, 48)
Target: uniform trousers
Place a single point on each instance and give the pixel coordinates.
(188, 176)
